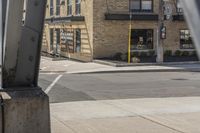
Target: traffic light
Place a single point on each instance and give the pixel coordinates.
(163, 32)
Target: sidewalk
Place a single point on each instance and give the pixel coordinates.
(160, 115)
(71, 67)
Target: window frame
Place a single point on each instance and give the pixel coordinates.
(180, 44)
(51, 8)
(78, 40)
(136, 45)
(69, 7)
(51, 39)
(78, 7)
(57, 31)
(178, 9)
(140, 8)
(58, 11)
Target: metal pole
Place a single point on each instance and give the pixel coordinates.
(3, 5)
(192, 14)
(129, 36)
(1, 32)
(21, 61)
(20, 93)
(129, 40)
(159, 41)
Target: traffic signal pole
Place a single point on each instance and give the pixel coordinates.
(159, 47)
(24, 106)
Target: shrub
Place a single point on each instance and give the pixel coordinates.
(124, 57)
(185, 53)
(135, 54)
(194, 53)
(168, 53)
(135, 60)
(143, 54)
(117, 56)
(151, 53)
(178, 53)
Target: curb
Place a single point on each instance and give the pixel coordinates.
(136, 71)
(103, 62)
(57, 72)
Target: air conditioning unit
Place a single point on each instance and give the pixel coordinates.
(62, 2)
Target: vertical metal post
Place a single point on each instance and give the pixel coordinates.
(3, 4)
(22, 42)
(159, 41)
(129, 39)
(20, 94)
(1, 32)
(192, 14)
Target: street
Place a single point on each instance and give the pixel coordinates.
(110, 86)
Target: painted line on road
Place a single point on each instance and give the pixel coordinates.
(52, 84)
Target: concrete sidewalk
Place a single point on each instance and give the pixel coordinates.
(160, 115)
(67, 66)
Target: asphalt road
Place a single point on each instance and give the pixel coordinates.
(83, 87)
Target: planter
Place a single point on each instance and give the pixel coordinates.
(135, 60)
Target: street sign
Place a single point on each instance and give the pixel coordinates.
(168, 10)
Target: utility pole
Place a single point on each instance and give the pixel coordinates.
(160, 51)
(24, 107)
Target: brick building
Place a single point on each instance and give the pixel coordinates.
(92, 29)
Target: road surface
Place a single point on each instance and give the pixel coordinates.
(64, 87)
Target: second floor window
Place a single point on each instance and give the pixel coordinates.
(178, 7)
(78, 7)
(51, 7)
(141, 5)
(69, 7)
(57, 7)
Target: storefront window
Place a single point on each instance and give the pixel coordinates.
(186, 40)
(57, 41)
(78, 40)
(142, 39)
(51, 39)
(141, 5)
(178, 7)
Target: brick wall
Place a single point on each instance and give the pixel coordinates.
(111, 36)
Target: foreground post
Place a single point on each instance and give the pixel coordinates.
(24, 106)
(192, 15)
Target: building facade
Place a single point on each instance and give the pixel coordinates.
(93, 29)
